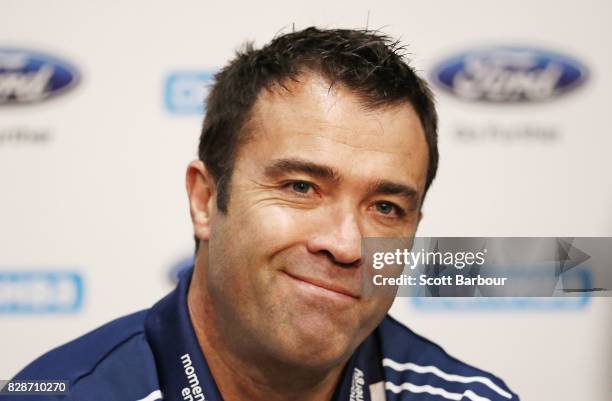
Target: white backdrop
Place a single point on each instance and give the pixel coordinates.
(102, 194)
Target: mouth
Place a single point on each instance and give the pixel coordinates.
(325, 288)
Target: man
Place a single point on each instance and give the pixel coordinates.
(317, 140)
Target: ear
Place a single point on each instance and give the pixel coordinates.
(202, 195)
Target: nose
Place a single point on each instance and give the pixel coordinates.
(338, 237)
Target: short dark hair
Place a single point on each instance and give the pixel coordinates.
(367, 62)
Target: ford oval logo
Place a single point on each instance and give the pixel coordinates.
(29, 77)
(509, 75)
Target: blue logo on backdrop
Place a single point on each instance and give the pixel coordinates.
(185, 92)
(30, 77)
(509, 75)
(40, 292)
(497, 304)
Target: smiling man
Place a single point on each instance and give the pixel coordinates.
(310, 144)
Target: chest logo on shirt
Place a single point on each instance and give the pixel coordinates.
(357, 386)
(194, 391)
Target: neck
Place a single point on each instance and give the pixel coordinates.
(249, 375)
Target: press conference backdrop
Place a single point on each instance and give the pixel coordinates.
(100, 111)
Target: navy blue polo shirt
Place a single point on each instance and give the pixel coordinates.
(154, 354)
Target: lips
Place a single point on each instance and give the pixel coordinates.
(327, 286)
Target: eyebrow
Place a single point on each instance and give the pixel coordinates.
(393, 188)
(296, 165)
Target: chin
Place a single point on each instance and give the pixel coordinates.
(316, 347)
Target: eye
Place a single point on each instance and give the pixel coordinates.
(388, 208)
(301, 187)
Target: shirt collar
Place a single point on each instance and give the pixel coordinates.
(184, 372)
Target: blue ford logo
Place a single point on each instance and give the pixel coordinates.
(29, 77)
(509, 75)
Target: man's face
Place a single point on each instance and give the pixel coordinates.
(285, 274)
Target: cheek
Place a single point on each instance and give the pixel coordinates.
(271, 229)
(243, 245)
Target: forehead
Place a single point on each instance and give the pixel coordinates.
(330, 125)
